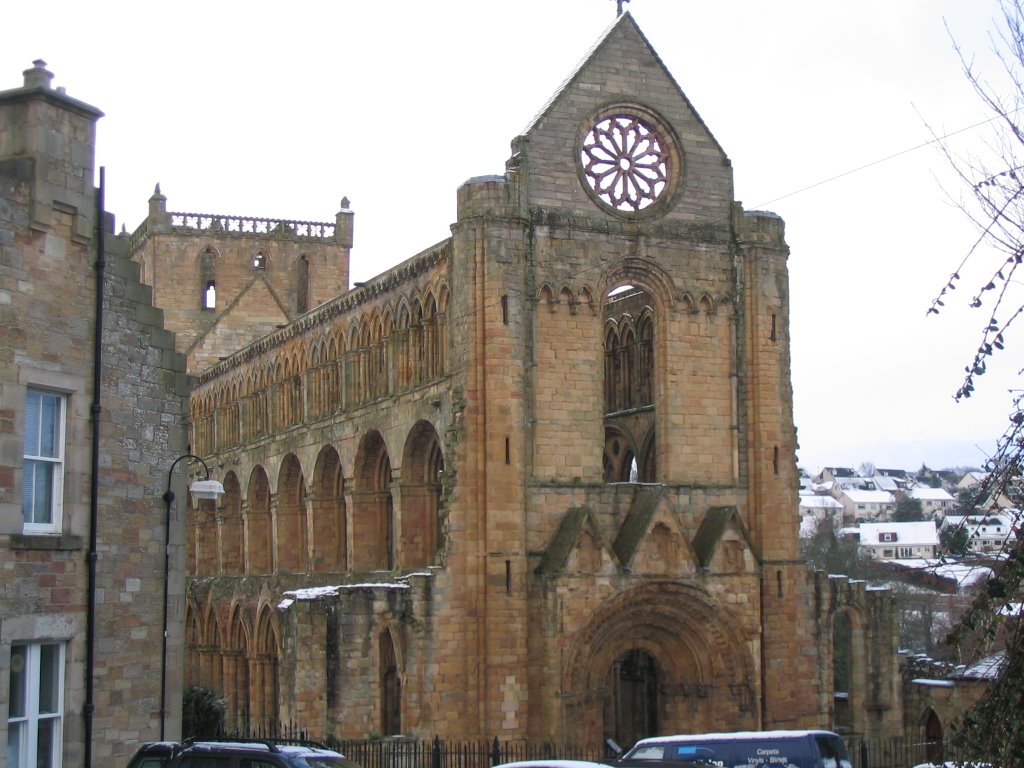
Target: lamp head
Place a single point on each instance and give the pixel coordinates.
(206, 489)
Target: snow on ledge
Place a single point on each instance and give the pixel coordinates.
(932, 682)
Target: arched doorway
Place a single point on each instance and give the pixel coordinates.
(933, 738)
(631, 710)
(662, 657)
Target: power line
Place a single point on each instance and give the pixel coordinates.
(881, 160)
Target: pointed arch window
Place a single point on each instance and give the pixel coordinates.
(629, 386)
(390, 687)
(208, 278)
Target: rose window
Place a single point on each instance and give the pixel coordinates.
(626, 162)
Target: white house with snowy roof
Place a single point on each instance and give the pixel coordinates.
(899, 541)
(988, 533)
(935, 502)
(867, 505)
(821, 508)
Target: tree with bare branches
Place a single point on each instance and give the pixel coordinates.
(993, 198)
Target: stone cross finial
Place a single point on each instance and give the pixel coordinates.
(618, 6)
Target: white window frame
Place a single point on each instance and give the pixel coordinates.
(23, 727)
(57, 461)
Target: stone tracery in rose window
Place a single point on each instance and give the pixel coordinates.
(626, 162)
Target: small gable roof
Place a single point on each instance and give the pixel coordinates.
(556, 556)
(714, 525)
(637, 522)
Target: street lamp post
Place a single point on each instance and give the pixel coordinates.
(200, 489)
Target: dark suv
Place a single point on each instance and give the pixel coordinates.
(238, 753)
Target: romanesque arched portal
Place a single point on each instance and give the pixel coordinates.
(662, 657)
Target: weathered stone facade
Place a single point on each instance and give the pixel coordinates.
(538, 480)
(106, 505)
(225, 281)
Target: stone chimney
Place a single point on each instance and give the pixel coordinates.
(55, 136)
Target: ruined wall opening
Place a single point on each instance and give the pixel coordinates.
(264, 683)
(258, 558)
(629, 379)
(231, 531)
(330, 518)
(302, 284)
(842, 671)
(236, 673)
(422, 470)
(207, 269)
(291, 517)
(390, 687)
(373, 516)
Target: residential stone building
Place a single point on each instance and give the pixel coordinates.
(93, 406)
(537, 481)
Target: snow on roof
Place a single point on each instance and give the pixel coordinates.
(930, 494)
(885, 483)
(964, 574)
(819, 502)
(907, 534)
(984, 669)
(869, 497)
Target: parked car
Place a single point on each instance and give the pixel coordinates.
(748, 749)
(154, 754)
(239, 753)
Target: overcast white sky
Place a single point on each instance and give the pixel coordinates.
(281, 109)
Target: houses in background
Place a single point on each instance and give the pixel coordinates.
(899, 541)
(880, 509)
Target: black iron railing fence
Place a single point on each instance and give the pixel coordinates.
(403, 752)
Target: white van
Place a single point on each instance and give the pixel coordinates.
(748, 749)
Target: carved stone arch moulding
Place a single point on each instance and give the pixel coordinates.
(684, 629)
(629, 160)
(641, 273)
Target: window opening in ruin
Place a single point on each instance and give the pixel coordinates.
(422, 476)
(390, 687)
(504, 310)
(210, 296)
(629, 373)
(773, 328)
(259, 261)
(208, 278)
(258, 559)
(302, 285)
(842, 669)
(631, 712)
